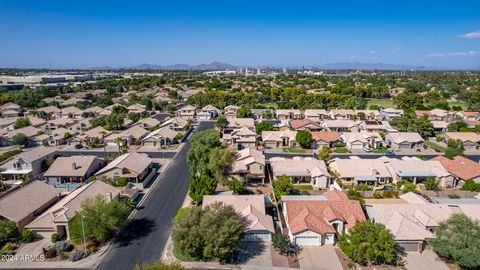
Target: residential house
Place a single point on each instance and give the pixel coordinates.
(357, 171)
(417, 171)
(362, 140)
(177, 123)
(375, 126)
(279, 139)
(305, 124)
(315, 220)
(325, 138)
(8, 124)
(396, 90)
(230, 111)
(80, 126)
(342, 114)
(29, 131)
(440, 126)
(461, 167)
(57, 136)
(340, 125)
(91, 137)
(305, 170)
(470, 140)
(27, 164)
(10, 109)
(404, 140)
(436, 115)
(57, 123)
(162, 137)
(129, 136)
(136, 167)
(250, 165)
(288, 114)
(148, 123)
(74, 169)
(413, 222)
(49, 112)
(372, 115)
(316, 115)
(71, 112)
(261, 114)
(24, 204)
(391, 113)
(208, 112)
(96, 111)
(136, 108)
(469, 115)
(186, 112)
(56, 218)
(240, 138)
(235, 122)
(258, 225)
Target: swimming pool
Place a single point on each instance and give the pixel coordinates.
(388, 188)
(68, 186)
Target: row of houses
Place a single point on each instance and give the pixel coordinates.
(251, 166)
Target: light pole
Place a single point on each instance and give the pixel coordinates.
(84, 241)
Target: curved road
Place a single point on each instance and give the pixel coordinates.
(145, 238)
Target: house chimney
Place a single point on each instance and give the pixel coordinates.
(74, 166)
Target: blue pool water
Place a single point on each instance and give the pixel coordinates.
(388, 188)
(69, 186)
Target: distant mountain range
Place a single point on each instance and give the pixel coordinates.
(331, 66)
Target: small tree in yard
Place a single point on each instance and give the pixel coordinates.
(20, 139)
(263, 126)
(236, 186)
(222, 122)
(210, 234)
(201, 186)
(283, 186)
(21, 123)
(281, 244)
(369, 243)
(100, 218)
(304, 138)
(432, 184)
(8, 229)
(458, 239)
(324, 153)
(409, 186)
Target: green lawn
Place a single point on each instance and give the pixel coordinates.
(458, 103)
(380, 150)
(435, 146)
(385, 103)
(294, 150)
(303, 187)
(341, 150)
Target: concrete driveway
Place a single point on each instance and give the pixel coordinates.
(319, 257)
(254, 253)
(427, 260)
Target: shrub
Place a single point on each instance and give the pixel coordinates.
(377, 195)
(56, 237)
(50, 253)
(470, 185)
(409, 186)
(280, 243)
(363, 187)
(350, 265)
(432, 184)
(236, 186)
(355, 195)
(8, 229)
(76, 255)
(9, 246)
(62, 246)
(389, 194)
(27, 236)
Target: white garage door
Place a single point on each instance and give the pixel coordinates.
(307, 241)
(257, 237)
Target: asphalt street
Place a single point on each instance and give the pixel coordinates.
(144, 239)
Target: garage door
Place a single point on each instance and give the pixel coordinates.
(307, 241)
(257, 237)
(409, 246)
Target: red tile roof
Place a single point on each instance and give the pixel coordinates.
(299, 123)
(462, 167)
(326, 136)
(316, 215)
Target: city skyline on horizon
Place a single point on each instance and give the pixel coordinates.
(278, 34)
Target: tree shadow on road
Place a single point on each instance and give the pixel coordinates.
(135, 230)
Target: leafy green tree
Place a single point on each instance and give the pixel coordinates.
(8, 229)
(67, 135)
(20, 139)
(409, 186)
(304, 138)
(408, 100)
(21, 123)
(456, 126)
(202, 143)
(263, 126)
(280, 243)
(369, 243)
(283, 186)
(410, 123)
(432, 184)
(222, 122)
(352, 194)
(244, 112)
(236, 186)
(201, 186)
(211, 234)
(471, 185)
(454, 148)
(324, 153)
(101, 219)
(458, 239)
(220, 163)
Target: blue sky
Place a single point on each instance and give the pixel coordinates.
(81, 34)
